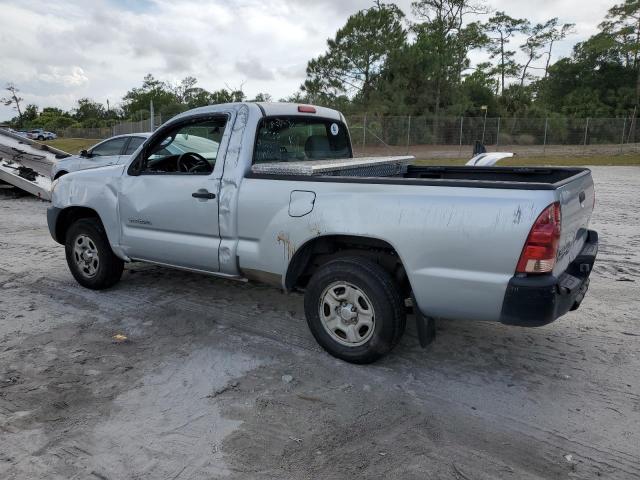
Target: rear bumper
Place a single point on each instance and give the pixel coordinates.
(537, 300)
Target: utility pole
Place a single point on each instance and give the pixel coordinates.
(632, 125)
(408, 132)
(586, 132)
(461, 120)
(484, 125)
(152, 119)
(364, 130)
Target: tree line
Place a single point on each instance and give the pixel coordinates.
(383, 63)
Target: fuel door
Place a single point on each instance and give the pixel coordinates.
(301, 203)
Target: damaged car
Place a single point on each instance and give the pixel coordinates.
(271, 192)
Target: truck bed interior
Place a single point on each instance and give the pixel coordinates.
(501, 174)
(524, 178)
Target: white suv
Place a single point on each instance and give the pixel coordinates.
(40, 134)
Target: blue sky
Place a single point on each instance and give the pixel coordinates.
(58, 52)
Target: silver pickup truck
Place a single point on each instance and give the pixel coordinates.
(272, 193)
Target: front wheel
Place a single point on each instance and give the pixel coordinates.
(354, 309)
(89, 256)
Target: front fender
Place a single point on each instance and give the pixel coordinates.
(95, 189)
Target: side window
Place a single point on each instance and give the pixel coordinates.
(190, 148)
(110, 147)
(296, 138)
(134, 143)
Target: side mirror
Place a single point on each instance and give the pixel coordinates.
(84, 153)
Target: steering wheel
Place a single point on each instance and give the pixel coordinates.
(197, 161)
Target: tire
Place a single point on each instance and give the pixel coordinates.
(89, 256)
(41, 138)
(330, 306)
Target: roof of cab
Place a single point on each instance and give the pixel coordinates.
(269, 109)
(281, 108)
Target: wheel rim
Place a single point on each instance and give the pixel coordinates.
(347, 314)
(85, 254)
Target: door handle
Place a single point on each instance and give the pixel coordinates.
(203, 194)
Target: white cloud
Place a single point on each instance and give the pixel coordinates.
(253, 69)
(57, 52)
(72, 77)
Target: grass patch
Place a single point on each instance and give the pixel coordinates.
(550, 160)
(72, 145)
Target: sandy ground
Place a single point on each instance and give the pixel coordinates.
(222, 379)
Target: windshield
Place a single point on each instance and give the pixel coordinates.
(295, 138)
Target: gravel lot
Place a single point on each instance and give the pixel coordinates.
(223, 379)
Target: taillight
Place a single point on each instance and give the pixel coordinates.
(306, 109)
(541, 248)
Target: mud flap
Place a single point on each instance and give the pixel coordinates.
(425, 326)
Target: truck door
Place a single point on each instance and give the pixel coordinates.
(168, 201)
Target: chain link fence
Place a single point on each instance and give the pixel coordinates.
(117, 129)
(454, 137)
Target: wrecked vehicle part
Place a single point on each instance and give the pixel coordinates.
(488, 159)
(25, 164)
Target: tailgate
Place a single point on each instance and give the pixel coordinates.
(576, 199)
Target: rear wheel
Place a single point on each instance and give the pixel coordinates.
(354, 309)
(89, 256)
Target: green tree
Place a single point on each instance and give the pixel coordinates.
(477, 89)
(137, 101)
(262, 97)
(356, 56)
(55, 119)
(501, 28)
(89, 113)
(532, 48)
(227, 96)
(13, 99)
(554, 32)
(30, 113)
(622, 27)
(603, 71)
(447, 37)
(186, 89)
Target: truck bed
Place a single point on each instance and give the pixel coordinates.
(540, 177)
(524, 178)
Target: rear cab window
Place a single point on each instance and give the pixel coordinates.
(300, 138)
